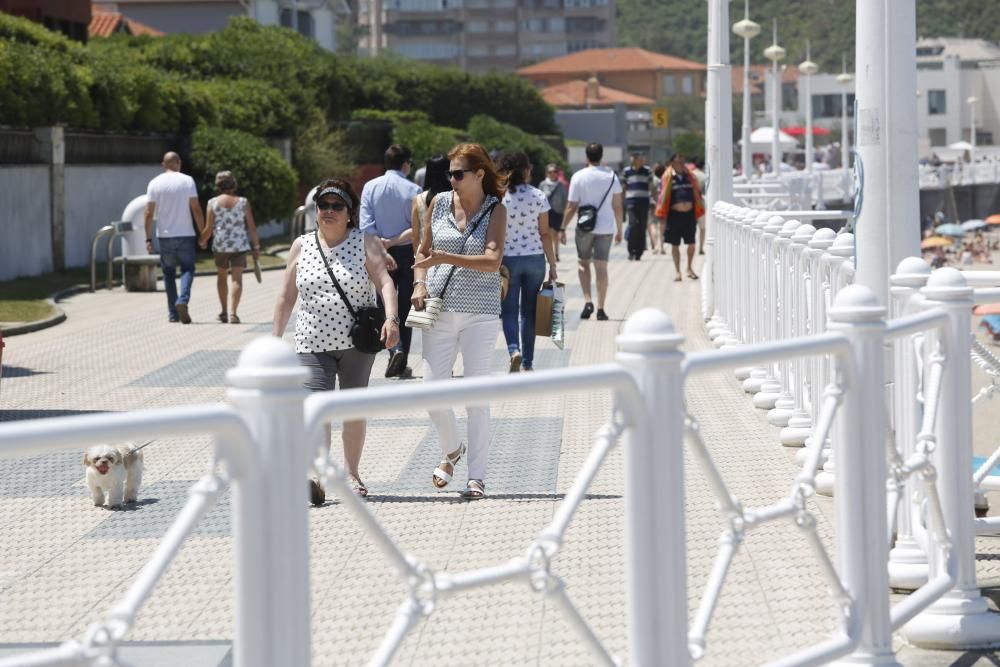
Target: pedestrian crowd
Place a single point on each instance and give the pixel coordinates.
(461, 256)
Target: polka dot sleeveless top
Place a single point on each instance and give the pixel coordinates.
(323, 323)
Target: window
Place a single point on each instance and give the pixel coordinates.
(304, 19)
(505, 4)
(687, 84)
(428, 50)
(584, 24)
(477, 50)
(505, 26)
(828, 106)
(936, 102)
(669, 84)
(505, 50)
(477, 26)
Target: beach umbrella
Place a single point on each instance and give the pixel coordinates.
(950, 229)
(973, 225)
(993, 219)
(935, 242)
(987, 309)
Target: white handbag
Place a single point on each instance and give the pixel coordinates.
(425, 319)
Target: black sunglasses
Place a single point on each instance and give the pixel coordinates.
(331, 206)
(459, 174)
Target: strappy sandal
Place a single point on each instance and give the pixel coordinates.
(233, 319)
(358, 487)
(474, 489)
(692, 275)
(222, 317)
(449, 460)
(677, 278)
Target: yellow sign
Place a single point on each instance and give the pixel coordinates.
(661, 117)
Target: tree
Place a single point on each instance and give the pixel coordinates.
(689, 144)
(687, 112)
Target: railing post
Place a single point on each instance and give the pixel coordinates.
(271, 539)
(862, 546)
(654, 501)
(907, 559)
(960, 619)
(773, 387)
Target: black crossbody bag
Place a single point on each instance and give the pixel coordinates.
(366, 332)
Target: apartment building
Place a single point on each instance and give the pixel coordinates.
(70, 17)
(316, 19)
(486, 35)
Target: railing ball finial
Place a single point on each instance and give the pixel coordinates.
(267, 362)
(856, 303)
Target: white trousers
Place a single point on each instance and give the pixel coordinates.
(475, 336)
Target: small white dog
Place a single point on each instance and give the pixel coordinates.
(114, 473)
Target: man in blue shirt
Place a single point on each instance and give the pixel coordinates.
(386, 204)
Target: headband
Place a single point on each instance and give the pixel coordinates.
(336, 191)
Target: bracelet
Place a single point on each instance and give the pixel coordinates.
(149, 240)
(420, 282)
(394, 319)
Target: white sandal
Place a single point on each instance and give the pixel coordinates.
(449, 459)
(474, 489)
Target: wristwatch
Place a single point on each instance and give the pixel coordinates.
(420, 282)
(394, 319)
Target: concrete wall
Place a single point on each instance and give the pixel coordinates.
(95, 196)
(190, 17)
(26, 249)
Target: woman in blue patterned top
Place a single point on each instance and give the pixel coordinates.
(463, 234)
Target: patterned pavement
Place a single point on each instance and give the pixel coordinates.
(65, 562)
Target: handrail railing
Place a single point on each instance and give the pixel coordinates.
(271, 409)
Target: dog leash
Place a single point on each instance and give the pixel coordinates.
(142, 446)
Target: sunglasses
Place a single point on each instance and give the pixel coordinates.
(459, 174)
(331, 206)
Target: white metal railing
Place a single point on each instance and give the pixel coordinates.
(270, 409)
(777, 277)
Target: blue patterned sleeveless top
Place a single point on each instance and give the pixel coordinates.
(470, 291)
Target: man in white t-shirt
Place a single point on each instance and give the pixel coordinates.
(598, 187)
(172, 206)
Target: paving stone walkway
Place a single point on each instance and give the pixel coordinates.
(64, 562)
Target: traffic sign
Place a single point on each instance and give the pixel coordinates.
(661, 117)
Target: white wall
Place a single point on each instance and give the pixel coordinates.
(95, 196)
(26, 248)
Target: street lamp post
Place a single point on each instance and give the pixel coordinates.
(746, 29)
(807, 68)
(775, 54)
(846, 80)
(972, 135)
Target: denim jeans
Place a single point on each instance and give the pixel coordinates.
(526, 275)
(177, 251)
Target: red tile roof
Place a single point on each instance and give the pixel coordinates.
(105, 24)
(573, 94)
(598, 61)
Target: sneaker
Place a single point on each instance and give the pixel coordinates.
(515, 361)
(588, 310)
(397, 364)
(601, 315)
(182, 313)
(173, 319)
(317, 496)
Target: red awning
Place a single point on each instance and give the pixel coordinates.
(799, 131)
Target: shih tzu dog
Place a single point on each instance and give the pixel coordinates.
(114, 473)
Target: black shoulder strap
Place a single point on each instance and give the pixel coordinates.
(486, 215)
(319, 249)
(611, 185)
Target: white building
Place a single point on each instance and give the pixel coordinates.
(316, 19)
(949, 72)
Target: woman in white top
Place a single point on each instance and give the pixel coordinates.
(463, 238)
(529, 244)
(229, 221)
(323, 324)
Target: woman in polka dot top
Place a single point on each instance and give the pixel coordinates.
(323, 323)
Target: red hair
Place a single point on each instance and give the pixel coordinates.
(476, 158)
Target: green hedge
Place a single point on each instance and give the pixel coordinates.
(264, 177)
(494, 135)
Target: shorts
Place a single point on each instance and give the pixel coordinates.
(230, 260)
(593, 246)
(555, 221)
(681, 226)
(352, 367)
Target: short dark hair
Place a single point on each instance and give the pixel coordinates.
(396, 156)
(699, 163)
(658, 170)
(351, 200)
(677, 155)
(594, 152)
